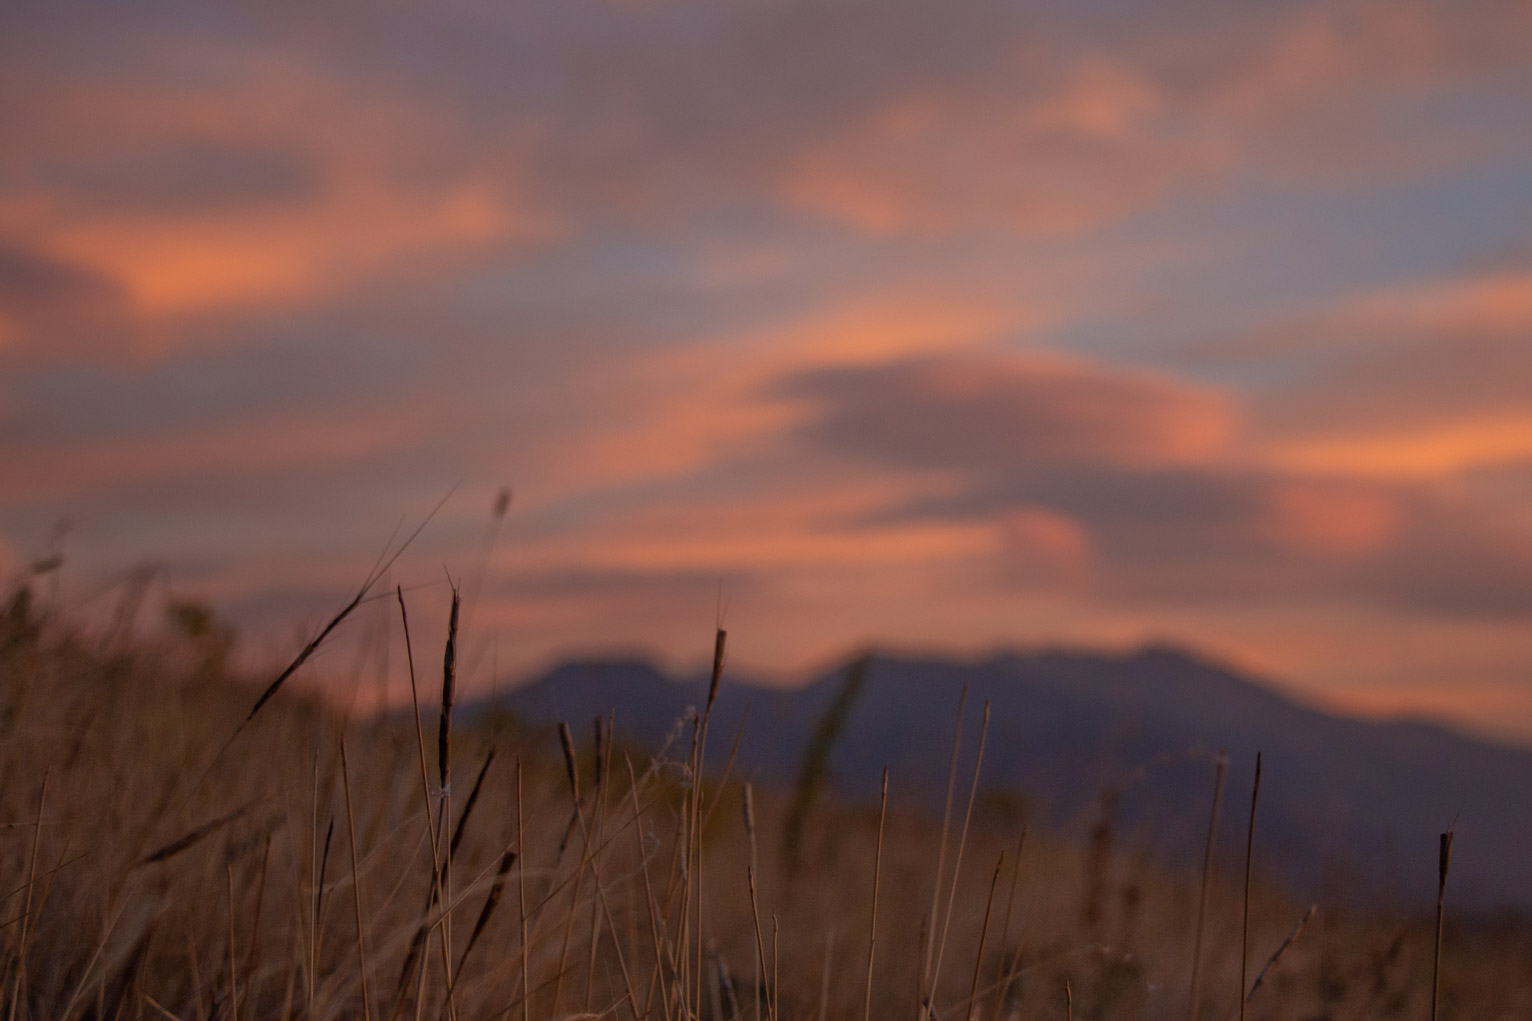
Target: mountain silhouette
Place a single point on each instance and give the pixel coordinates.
(1346, 804)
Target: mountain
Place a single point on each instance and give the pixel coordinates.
(1343, 801)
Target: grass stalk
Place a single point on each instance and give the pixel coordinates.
(826, 969)
(1244, 937)
(760, 944)
(877, 875)
(311, 918)
(576, 818)
(1193, 1005)
(957, 861)
(356, 882)
(657, 983)
(431, 831)
(1443, 863)
(978, 960)
(776, 962)
(228, 869)
(521, 881)
(255, 925)
(922, 994)
(1276, 957)
(444, 770)
(1007, 966)
(26, 914)
(747, 808)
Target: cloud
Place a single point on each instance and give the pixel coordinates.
(1059, 139)
(880, 311)
(1404, 449)
(222, 175)
(185, 176)
(1424, 379)
(1140, 488)
(1453, 561)
(1042, 549)
(1204, 534)
(92, 467)
(58, 310)
(569, 609)
(1051, 151)
(896, 117)
(997, 412)
(1115, 483)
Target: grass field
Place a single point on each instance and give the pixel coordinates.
(169, 853)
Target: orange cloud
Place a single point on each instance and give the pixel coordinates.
(67, 309)
(708, 397)
(1317, 50)
(1058, 141)
(1466, 312)
(1498, 706)
(1343, 519)
(1420, 452)
(1062, 157)
(1494, 303)
(785, 549)
(710, 375)
(275, 183)
(1418, 381)
(891, 324)
(74, 470)
(260, 258)
(1001, 411)
(804, 519)
(1042, 547)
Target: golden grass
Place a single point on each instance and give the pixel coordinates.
(157, 867)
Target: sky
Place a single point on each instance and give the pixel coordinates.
(931, 326)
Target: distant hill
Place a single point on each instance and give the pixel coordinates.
(1347, 803)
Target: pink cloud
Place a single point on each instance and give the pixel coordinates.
(782, 295)
(71, 471)
(1002, 411)
(1062, 156)
(1044, 549)
(1058, 142)
(1418, 380)
(1330, 517)
(274, 183)
(56, 310)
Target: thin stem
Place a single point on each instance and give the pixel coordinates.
(957, 861)
(1276, 958)
(521, 879)
(1193, 1006)
(1003, 981)
(425, 793)
(978, 961)
(1244, 938)
(877, 873)
(26, 914)
(356, 882)
(760, 946)
(233, 975)
(1444, 862)
(941, 854)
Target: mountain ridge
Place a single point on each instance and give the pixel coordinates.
(1341, 795)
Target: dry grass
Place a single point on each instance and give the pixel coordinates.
(156, 868)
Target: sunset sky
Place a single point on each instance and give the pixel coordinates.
(941, 326)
